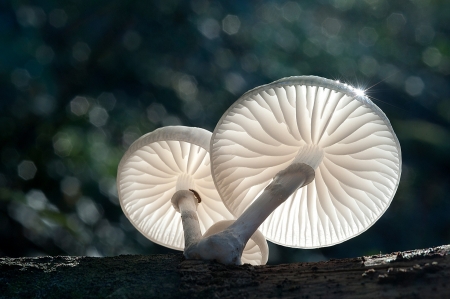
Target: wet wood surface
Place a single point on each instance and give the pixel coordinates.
(421, 273)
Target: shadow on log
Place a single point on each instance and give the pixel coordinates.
(410, 274)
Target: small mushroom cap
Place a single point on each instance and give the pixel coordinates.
(343, 135)
(256, 251)
(156, 166)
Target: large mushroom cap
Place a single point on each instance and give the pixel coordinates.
(256, 251)
(356, 175)
(156, 166)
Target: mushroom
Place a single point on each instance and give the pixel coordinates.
(297, 132)
(335, 136)
(256, 251)
(166, 171)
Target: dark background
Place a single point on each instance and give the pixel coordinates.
(81, 80)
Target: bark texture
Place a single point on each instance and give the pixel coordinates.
(410, 274)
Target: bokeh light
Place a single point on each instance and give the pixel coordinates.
(26, 170)
(80, 83)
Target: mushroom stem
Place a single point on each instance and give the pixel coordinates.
(185, 202)
(283, 185)
(227, 246)
(251, 255)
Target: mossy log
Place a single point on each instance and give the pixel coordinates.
(411, 274)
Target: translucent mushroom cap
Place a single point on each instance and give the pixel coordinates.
(256, 251)
(345, 137)
(156, 166)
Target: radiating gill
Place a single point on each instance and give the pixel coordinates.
(185, 182)
(309, 154)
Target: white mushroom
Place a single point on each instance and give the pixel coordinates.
(256, 251)
(297, 131)
(323, 127)
(166, 171)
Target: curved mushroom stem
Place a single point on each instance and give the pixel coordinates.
(227, 246)
(283, 185)
(185, 202)
(252, 256)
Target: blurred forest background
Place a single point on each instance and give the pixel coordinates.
(81, 80)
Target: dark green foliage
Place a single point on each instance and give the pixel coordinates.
(80, 81)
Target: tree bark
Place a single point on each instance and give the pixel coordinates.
(410, 274)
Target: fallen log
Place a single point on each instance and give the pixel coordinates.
(423, 273)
